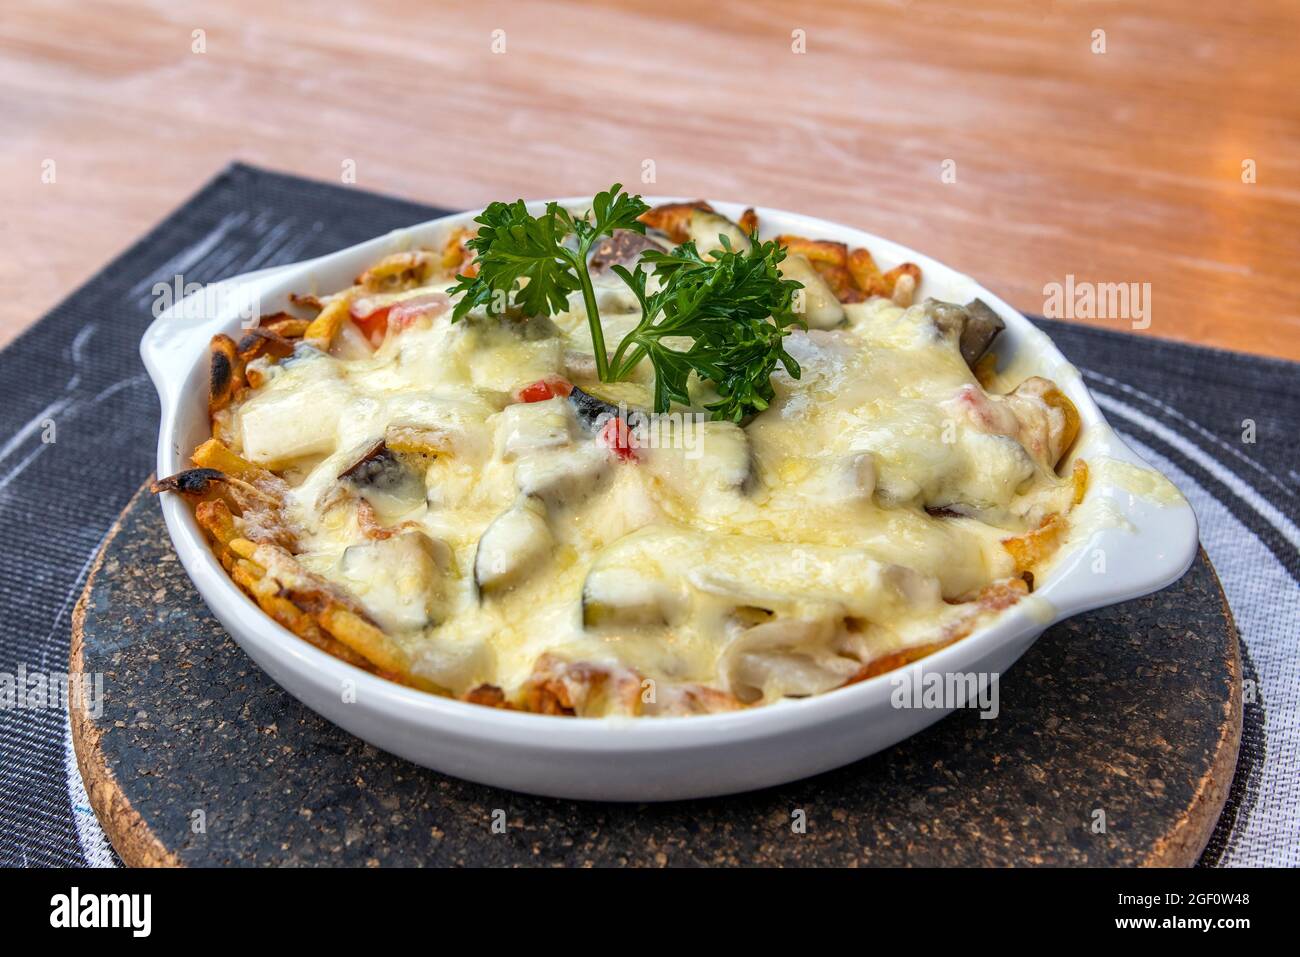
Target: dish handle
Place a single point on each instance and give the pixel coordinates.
(1140, 540)
(174, 340)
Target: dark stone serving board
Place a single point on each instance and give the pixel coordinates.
(1133, 710)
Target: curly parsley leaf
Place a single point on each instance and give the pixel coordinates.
(513, 245)
(530, 259)
(734, 307)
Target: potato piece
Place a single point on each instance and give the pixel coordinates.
(400, 271)
(1033, 548)
(1056, 399)
(1048, 436)
(251, 577)
(284, 325)
(673, 219)
(904, 290)
(226, 375)
(457, 258)
(306, 301)
(820, 308)
(214, 517)
(264, 342)
(866, 274)
(1079, 478)
(564, 687)
(323, 330)
(868, 277)
(902, 283)
(526, 427)
(214, 455)
(364, 638)
(281, 425)
(824, 251)
(490, 696)
(417, 440)
(840, 282)
(399, 580)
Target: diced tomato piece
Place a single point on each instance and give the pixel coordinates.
(544, 389)
(406, 311)
(373, 323)
(617, 437)
(373, 320)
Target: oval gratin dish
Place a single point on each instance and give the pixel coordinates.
(1147, 540)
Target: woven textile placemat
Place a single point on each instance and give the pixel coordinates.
(78, 428)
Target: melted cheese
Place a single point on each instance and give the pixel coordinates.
(766, 560)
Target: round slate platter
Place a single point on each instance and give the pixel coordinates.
(1128, 717)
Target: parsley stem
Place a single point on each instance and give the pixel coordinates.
(623, 368)
(593, 315)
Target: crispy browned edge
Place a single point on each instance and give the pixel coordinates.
(126, 830)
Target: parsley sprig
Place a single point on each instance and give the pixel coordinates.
(733, 305)
(512, 244)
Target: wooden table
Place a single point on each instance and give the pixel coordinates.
(1122, 166)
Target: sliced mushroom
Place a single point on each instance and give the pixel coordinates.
(1049, 421)
(973, 326)
(623, 248)
(787, 657)
(517, 542)
(385, 478)
(982, 328)
(815, 303)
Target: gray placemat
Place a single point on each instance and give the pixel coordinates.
(78, 425)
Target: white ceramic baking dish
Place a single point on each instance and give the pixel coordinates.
(1144, 545)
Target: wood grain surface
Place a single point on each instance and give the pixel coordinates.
(1122, 166)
